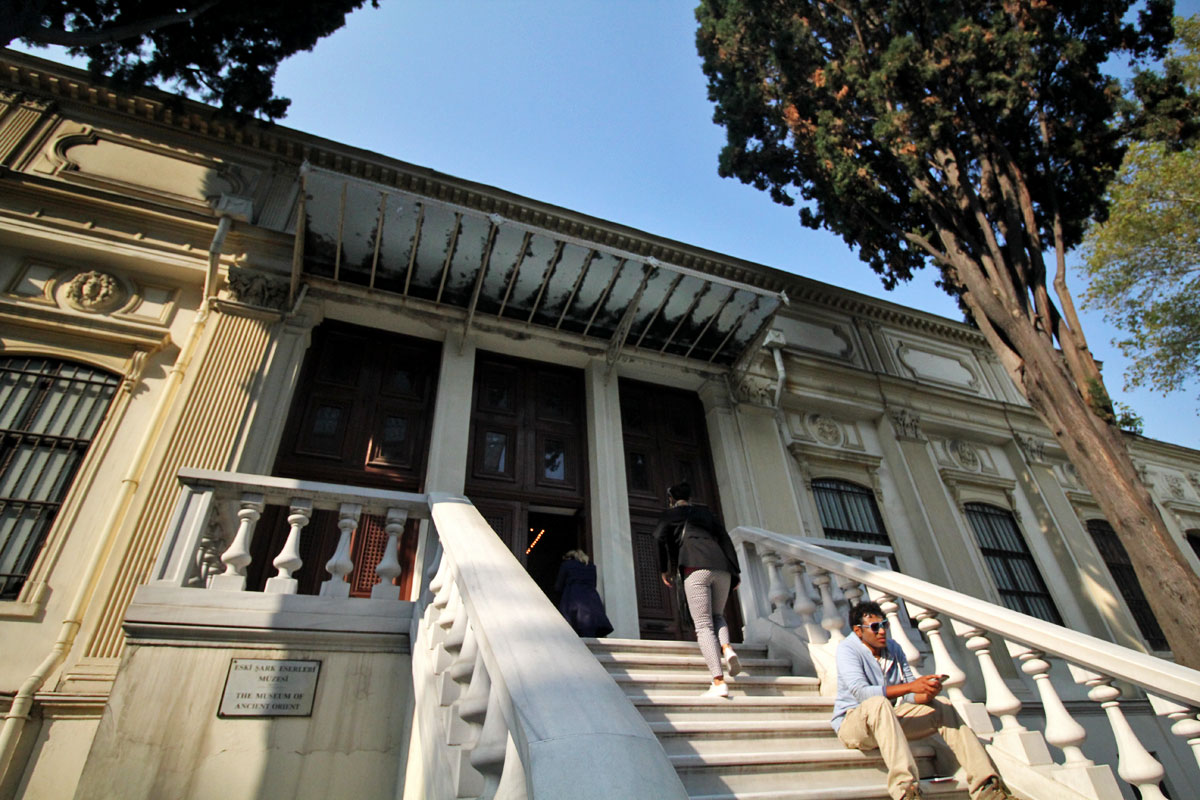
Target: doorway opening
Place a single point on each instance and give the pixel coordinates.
(550, 534)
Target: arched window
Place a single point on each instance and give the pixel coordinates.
(1193, 538)
(49, 412)
(1116, 558)
(849, 514)
(1012, 566)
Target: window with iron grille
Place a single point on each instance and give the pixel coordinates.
(849, 514)
(1116, 558)
(1012, 566)
(49, 412)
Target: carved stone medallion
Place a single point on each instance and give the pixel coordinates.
(95, 292)
(964, 454)
(826, 429)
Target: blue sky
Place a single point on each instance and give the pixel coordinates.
(598, 106)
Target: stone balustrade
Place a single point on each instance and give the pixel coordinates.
(208, 541)
(509, 701)
(811, 607)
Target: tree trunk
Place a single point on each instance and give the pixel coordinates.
(1098, 452)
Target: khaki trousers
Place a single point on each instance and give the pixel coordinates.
(877, 724)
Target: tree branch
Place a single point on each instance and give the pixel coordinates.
(115, 34)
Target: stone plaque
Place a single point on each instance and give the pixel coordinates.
(257, 687)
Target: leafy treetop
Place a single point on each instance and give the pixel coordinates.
(224, 51)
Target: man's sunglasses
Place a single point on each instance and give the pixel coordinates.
(876, 626)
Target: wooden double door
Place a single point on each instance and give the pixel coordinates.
(666, 441)
(362, 416)
(527, 459)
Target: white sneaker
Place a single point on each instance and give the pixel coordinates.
(733, 664)
(717, 690)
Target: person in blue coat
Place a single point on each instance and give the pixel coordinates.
(881, 704)
(580, 603)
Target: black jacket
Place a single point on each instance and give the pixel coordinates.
(691, 536)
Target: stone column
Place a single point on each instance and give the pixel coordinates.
(937, 536)
(608, 500)
(446, 469)
(734, 476)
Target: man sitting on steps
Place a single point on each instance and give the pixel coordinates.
(881, 705)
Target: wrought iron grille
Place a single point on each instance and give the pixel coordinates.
(1007, 555)
(849, 513)
(1116, 558)
(49, 413)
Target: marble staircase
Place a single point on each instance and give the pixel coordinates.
(770, 740)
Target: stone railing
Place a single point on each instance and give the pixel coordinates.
(207, 544)
(794, 594)
(509, 701)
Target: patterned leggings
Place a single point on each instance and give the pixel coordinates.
(706, 591)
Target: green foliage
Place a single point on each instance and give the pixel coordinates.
(890, 118)
(1143, 261)
(224, 51)
(1144, 264)
(1129, 420)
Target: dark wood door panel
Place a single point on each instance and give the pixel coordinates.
(361, 415)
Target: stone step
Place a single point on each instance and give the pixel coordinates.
(644, 684)
(710, 773)
(939, 788)
(672, 708)
(664, 646)
(620, 660)
(736, 735)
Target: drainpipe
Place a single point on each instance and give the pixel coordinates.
(775, 343)
(22, 703)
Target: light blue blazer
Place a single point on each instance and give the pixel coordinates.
(859, 675)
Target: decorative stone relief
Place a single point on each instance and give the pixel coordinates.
(1194, 480)
(756, 391)
(1175, 486)
(964, 454)
(826, 429)
(1032, 448)
(906, 423)
(256, 289)
(95, 292)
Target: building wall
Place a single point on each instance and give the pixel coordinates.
(160, 735)
(912, 407)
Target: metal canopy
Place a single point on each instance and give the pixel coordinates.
(362, 233)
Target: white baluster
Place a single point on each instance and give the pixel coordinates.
(1186, 725)
(288, 561)
(340, 565)
(1013, 737)
(237, 557)
(831, 620)
(897, 629)
(852, 590)
(389, 566)
(973, 713)
(458, 731)
(440, 587)
(512, 781)
(777, 592)
(472, 711)
(1062, 730)
(1135, 765)
(488, 755)
(441, 629)
(803, 604)
(449, 652)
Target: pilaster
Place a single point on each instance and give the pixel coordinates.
(608, 500)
